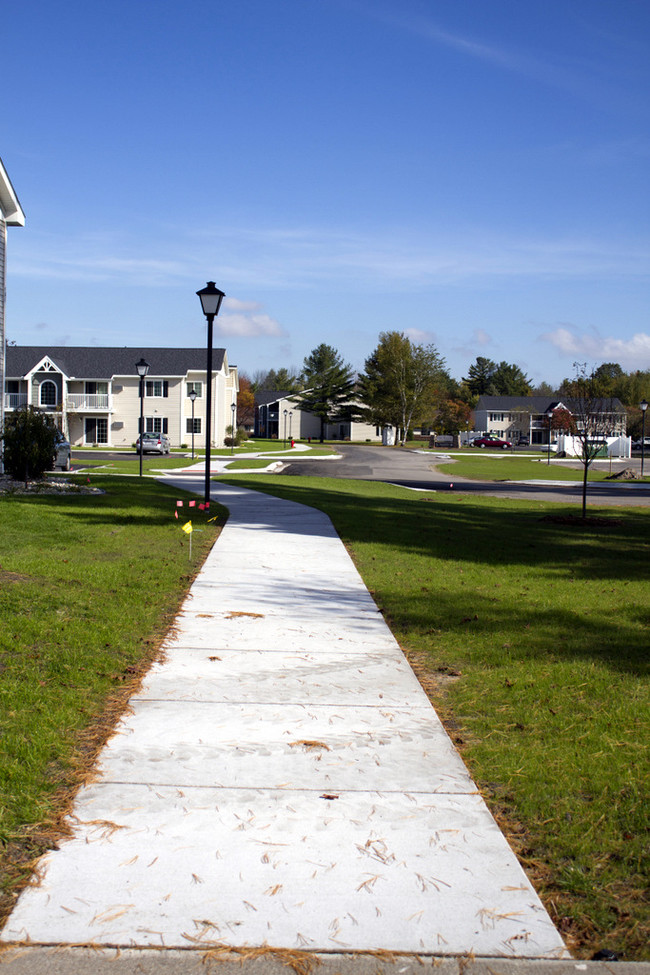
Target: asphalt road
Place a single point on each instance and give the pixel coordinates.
(416, 470)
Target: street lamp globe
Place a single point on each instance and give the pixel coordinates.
(211, 299)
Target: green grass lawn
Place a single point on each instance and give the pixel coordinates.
(88, 586)
(491, 466)
(532, 637)
(262, 445)
(150, 464)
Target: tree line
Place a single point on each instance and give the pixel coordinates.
(406, 384)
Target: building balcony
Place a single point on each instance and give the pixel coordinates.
(87, 402)
(13, 401)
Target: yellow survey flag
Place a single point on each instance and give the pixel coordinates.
(187, 528)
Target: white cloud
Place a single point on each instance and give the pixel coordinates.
(245, 319)
(419, 337)
(239, 306)
(632, 353)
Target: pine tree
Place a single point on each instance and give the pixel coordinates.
(328, 383)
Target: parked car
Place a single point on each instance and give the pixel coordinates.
(153, 443)
(523, 441)
(62, 453)
(491, 442)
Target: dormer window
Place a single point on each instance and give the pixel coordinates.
(48, 393)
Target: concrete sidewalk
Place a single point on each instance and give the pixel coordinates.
(282, 780)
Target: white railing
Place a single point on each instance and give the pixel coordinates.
(15, 400)
(87, 401)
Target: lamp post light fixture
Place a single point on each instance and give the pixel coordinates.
(233, 409)
(211, 299)
(142, 368)
(644, 406)
(285, 430)
(549, 414)
(192, 396)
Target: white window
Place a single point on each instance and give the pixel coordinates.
(195, 388)
(48, 393)
(156, 387)
(156, 424)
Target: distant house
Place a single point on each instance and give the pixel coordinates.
(513, 417)
(94, 393)
(277, 415)
(11, 215)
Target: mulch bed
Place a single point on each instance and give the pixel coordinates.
(44, 486)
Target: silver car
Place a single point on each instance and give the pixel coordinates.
(154, 443)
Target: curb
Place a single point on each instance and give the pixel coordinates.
(62, 960)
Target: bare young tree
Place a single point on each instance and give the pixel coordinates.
(595, 417)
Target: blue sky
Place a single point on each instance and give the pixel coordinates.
(474, 173)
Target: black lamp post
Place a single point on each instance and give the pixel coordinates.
(211, 299)
(644, 406)
(284, 441)
(192, 396)
(142, 368)
(233, 408)
(290, 422)
(550, 417)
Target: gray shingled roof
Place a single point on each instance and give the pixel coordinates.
(540, 404)
(536, 404)
(267, 396)
(104, 363)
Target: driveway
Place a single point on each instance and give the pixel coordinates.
(417, 470)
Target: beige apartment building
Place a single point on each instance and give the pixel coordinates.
(94, 393)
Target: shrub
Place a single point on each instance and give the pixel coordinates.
(29, 443)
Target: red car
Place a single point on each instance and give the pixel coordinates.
(491, 442)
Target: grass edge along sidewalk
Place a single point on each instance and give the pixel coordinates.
(529, 631)
(89, 585)
(513, 661)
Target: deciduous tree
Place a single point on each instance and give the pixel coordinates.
(592, 415)
(245, 402)
(452, 415)
(400, 381)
